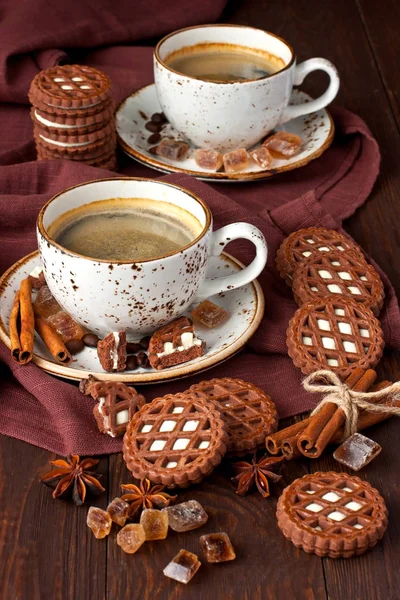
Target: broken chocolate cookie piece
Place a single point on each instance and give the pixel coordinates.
(112, 351)
(174, 344)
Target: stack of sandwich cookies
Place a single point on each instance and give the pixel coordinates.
(73, 116)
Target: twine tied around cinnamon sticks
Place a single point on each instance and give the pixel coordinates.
(349, 400)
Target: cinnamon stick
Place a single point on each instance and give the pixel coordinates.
(53, 342)
(290, 449)
(325, 424)
(22, 324)
(274, 442)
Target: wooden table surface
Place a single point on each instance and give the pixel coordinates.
(46, 550)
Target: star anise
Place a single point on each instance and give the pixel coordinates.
(257, 473)
(145, 496)
(72, 478)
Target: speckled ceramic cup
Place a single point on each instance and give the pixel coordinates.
(229, 115)
(108, 295)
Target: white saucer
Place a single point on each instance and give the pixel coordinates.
(316, 131)
(245, 306)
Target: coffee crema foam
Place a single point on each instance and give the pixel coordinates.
(224, 63)
(126, 229)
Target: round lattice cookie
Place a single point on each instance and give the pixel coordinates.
(337, 334)
(175, 440)
(332, 514)
(337, 274)
(249, 413)
(70, 86)
(300, 245)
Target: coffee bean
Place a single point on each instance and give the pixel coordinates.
(131, 363)
(75, 346)
(153, 150)
(91, 340)
(144, 342)
(154, 138)
(153, 127)
(159, 118)
(133, 347)
(143, 360)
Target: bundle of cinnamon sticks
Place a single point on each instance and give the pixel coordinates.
(311, 436)
(23, 323)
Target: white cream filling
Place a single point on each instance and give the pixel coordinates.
(51, 123)
(353, 505)
(314, 507)
(332, 362)
(188, 340)
(340, 312)
(345, 275)
(172, 464)
(350, 347)
(106, 418)
(204, 444)
(114, 353)
(122, 417)
(146, 428)
(157, 445)
(190, 426)
(307, 341)
(36, 272)
(344, 327)
(181, 444)
(168, 426)
(323, 324)
(63, 144)
(328, 343)
(331, 497)
(336, 516)
(335, 289)
(306, 253)
(324, 274)
(354, 290)
(178, 409)
(364, 332)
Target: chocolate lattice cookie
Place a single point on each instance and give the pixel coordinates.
(175, 440)
(332, 514)
(249, 413)
(340, 335)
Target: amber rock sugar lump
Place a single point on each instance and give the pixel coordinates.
(131, 537)
(99, 522)
(217, 547)
(262, 157)
(118, 511)
(208, 159)
(186, 516)
(154, 523)
(209, 314)
(283, 144)
(237, 160)
(172, 149)
(357, 451)
(182, 567)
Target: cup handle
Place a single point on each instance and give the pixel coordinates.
(219, 240)
(301, 71)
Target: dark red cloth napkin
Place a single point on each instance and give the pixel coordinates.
(51, 413)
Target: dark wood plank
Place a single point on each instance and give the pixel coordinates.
(381, 21)
(260, 571)
(46, 550)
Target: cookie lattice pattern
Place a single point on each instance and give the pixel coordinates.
(335, 274)
(335, 506)
(338, 335)
(315, 241)
(173, 433)
(118, 403)
(249, 413)
(73, 81)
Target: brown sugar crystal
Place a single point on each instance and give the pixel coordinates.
(217, 547)
(154, 523)
(99, 522)
(262, 157)
(172, 149)
(283, 144)
(237, 160)
(131, 537)
(357, 451)
(182, 567)
(209, 314)
(208, 159)
(118, 511)
(186, 516)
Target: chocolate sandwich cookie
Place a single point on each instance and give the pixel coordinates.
(69, 87)
(174, 344)
(98, 152)
(332, 514)
(117, 403)
(66, 140)
(341, 275)
(336, 334)
(80, 150)
(68, 126)
(175, 440)
(249, 413)
(300, 245)
(111, 351)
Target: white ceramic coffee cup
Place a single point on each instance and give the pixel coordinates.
(108, 295)
(229, 115)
